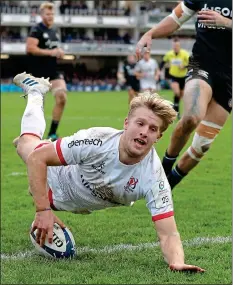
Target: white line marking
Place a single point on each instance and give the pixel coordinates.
(18, 174)
(120, 247)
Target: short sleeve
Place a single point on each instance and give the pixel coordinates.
(159, 197)
(186, 58)
(166, 57)
(34, 32)
(75, 149)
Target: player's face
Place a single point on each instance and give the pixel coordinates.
(176, 47)
(146, 56)
(131, 59)
(142, 130)
(47, 16)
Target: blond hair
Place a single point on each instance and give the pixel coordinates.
(46, 5)
(159, 106)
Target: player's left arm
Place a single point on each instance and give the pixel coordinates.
(213, 18)
(171, 245)
(185, 61)
(160, 204)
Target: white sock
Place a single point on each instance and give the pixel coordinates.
(33, 121)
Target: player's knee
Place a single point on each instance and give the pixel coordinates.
(61, 97)
(190, 122)
(203, 138)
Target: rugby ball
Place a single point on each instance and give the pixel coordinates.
(63, 245)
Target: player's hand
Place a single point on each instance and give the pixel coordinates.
(186, 268)
(212, 18)
(143, 45)
(44, 222)
(57, 52)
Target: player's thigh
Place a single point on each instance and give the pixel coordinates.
(197, 96)
(216, 113)
(27, 144)
(131, 92)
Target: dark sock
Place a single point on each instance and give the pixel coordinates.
(53, 128)
(175, 176)
(176, 103)
(168, 162)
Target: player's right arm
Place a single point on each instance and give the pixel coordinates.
(69, 150)
(37, 163)
(32, 46)
(167, 26)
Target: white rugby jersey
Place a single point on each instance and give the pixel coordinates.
(148, 68)
(93, 177)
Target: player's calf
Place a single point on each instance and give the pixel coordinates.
(180, 135)
(60, 96)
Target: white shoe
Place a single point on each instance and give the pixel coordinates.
(28, 82)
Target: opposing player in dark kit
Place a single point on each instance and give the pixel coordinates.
(43, 50)
(208, 88)
(127, 71)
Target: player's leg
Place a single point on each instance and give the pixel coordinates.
(205, 134)
(216, 116)
(176, 91)
(33, 121)
(59, 91)
(131, 94)
(197, 96)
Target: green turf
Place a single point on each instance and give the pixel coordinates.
(202, 209)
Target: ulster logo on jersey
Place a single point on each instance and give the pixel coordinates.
(131, 184)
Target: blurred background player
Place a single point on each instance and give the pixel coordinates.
(147, 71)
(208, 87)
(127, 74)
(43, 48)
(177, 60)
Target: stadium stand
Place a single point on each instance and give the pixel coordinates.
(96, 33)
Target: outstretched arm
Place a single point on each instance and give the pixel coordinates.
(171, 246)
(166, 27)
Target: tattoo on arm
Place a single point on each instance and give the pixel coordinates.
(196, 92)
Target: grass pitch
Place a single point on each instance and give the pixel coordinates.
(115, 245)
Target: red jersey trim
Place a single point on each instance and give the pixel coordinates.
(59, 152)
(162, 216)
